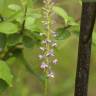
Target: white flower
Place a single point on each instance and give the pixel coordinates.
(55, 61)
(50, 53)
(54, 34)
(51, 74)
(46, 41)
(54, 45)
(49, 41)
(41, 56)
(42, 34)
(42, 48)
(43, 65)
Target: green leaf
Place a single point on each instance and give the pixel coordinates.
(63, 34)
(33, 24)
(2, 5)
(14, 7)
(15, 16)
(75, 30)
(3, 85)
(8, 28)
(28, 41)
(35, 13)
(72, 22)
(61, 12)
(29, 22)
(5, 73)
(14, 39)
(2, 40)
(11, 60)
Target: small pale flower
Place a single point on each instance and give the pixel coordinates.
(44, 1)
(54, 34)
(54, 44)
(50, 53)
(42, 34)
(44, 42)
(55, 61)
(51, 75)
(43, 65)
(41, 56)
(49, 41)
(42, 48)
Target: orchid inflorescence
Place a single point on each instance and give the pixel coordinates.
(47, 55)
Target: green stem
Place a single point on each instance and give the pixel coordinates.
(24, 19)
(46, 87)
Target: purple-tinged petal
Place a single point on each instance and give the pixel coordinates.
(55, 61)
(43, 65)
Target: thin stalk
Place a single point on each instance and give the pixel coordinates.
(47, 23)
(24, 19)
(46, 87)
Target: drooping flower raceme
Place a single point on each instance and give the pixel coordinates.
(47, 55)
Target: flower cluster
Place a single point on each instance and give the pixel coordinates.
(47, 55)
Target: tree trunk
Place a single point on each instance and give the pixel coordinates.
(84, 50)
